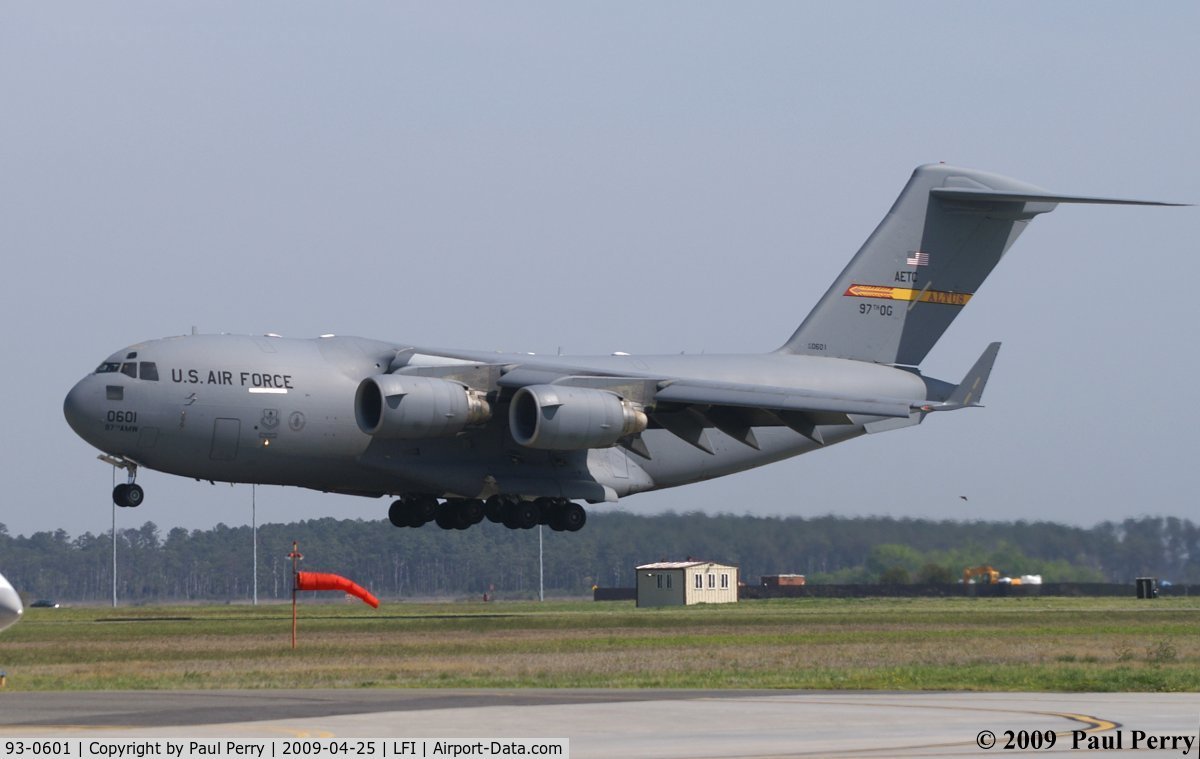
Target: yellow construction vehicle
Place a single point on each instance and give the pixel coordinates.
(991, 574)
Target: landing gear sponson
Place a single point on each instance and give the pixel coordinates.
(461, 513)
(128, 494)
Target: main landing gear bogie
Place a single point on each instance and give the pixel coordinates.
(413, 512)
(558, 514)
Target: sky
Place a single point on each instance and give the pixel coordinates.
(599, 177)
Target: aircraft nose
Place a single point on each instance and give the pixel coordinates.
(10, 604)
(79, 407)
(10, 608)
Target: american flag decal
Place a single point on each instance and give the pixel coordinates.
(917, 258)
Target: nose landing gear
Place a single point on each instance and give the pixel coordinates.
(129, 494)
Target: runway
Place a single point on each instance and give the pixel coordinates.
(619, 723)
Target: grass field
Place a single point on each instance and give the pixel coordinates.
(1038, 644)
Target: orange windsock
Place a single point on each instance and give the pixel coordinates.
(327, 581)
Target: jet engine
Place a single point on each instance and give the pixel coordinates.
(561, 418)
(402, 407)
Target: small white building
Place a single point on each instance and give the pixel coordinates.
(679, 583)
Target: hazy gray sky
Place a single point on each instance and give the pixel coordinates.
(651, 178)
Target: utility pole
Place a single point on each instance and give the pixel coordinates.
(114, 537)
(254, 530)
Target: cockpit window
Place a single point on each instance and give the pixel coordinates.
(147, 369)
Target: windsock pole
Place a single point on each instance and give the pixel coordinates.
(322, 581)
(295, 556)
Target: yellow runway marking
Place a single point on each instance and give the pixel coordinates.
(1096, 725)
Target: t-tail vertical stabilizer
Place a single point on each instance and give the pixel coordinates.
(923, 264)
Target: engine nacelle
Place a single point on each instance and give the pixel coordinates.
(402, 407)
(561, 418)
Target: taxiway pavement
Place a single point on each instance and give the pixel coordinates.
(672, 724)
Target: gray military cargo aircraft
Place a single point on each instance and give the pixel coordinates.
(10, 604)
(460, 435)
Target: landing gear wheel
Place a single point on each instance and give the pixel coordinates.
(556, 517)
(398, 514)
(412, 511)
(463, 513)
(472, 511)
(423, 509)
(461, 516)
(552, 513)
(526, 515)
(493, 508)
(547, 511)
(521, 515)
(446, 516)
(128, 495)
(572, 517)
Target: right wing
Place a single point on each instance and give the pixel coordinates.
(687, 407)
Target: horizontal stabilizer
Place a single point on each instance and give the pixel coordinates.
(969, 392)
(969, 194)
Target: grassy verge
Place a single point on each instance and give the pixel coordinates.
(896, 644)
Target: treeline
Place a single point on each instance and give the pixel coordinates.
(216, 564)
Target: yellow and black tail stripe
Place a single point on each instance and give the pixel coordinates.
(945, 297)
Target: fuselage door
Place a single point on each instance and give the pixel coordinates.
(225, 439)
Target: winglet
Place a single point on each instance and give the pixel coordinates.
(970, 391)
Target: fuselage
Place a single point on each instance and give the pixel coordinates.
(272, 410)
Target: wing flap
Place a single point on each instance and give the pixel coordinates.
(694, 392)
